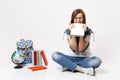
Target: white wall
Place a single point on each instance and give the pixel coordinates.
(44, 22)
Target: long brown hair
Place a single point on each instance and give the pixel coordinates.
(75, 12)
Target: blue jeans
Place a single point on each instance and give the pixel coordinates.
(71, 62)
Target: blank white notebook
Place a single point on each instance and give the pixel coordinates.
(77, 30)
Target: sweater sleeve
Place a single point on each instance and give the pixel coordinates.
(88, 33)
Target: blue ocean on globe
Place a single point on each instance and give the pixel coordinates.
(18, 57)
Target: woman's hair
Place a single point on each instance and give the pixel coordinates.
(75, 12)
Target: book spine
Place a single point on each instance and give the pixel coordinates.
(37, 57)
(44, 57)
(35, 54)
(40, 58)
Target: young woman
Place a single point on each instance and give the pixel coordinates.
(80, 59)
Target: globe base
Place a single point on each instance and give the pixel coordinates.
(18, 66)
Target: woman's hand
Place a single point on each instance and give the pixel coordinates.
(71, 26)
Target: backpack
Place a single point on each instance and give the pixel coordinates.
(25, 47)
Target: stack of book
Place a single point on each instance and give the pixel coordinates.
(39, 60)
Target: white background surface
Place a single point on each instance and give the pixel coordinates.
(44, 22)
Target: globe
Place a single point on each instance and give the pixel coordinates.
(17, 58)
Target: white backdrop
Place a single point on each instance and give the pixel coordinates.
(44, 22)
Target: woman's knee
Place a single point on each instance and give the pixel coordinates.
(97, 62)
(94, 62)
(55, 55)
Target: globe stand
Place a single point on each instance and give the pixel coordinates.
(18, 66)
(16, 57)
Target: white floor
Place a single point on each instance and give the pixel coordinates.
(107, 71)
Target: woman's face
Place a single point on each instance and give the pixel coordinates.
(79, 18)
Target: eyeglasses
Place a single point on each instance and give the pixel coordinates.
(78, 18)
